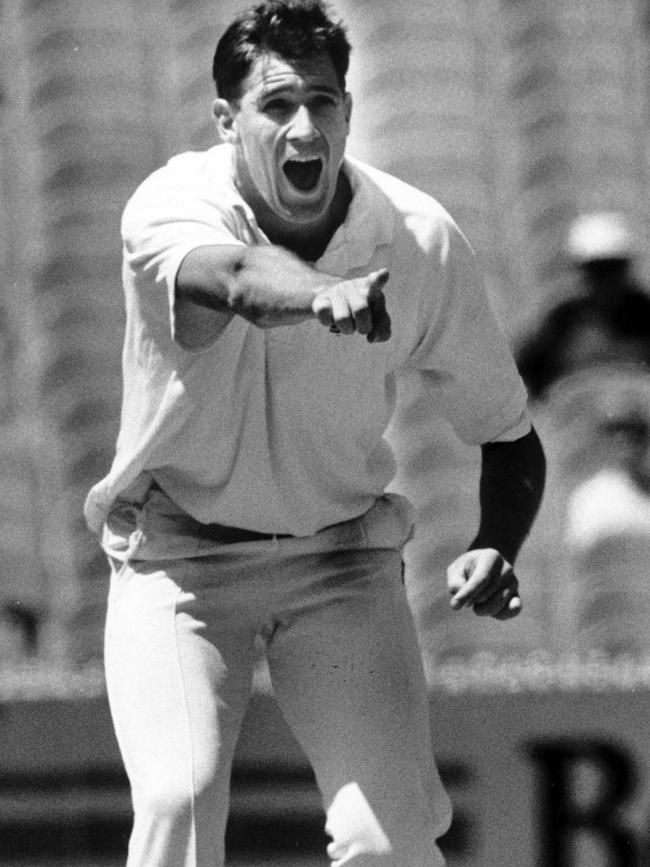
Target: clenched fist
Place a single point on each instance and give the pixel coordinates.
(484, 580)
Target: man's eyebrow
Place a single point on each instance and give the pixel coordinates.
(325, 88)
(279, 89)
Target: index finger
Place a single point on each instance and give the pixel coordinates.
(381, 323)
(378, 280)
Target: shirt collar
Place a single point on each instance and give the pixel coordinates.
(368, 224)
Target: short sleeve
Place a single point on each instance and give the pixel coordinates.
(173, 212)
(463, 359)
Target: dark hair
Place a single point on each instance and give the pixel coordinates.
(294, 29)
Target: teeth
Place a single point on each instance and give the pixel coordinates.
(302, 159)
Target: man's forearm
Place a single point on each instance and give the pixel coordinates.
(266, 285)
(269, 287)
(511, 488)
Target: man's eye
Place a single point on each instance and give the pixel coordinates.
(277, 106)
(323, 102)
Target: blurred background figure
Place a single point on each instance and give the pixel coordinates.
(23, 620)
(607, 534)
(588, 368)
(606, 321)
(20, 624)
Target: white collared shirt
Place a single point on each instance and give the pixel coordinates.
(282, 430)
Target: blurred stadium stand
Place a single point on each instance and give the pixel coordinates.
(523, 115)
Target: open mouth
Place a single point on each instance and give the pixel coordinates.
(303, 174)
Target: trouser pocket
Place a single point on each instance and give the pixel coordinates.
(389, 522)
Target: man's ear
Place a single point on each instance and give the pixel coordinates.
(348, 107)
(225, 119)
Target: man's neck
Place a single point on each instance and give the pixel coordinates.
(310, 241)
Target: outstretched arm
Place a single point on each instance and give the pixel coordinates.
(270, 287)
(511, 487)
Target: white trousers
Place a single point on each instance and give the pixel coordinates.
(345, 667)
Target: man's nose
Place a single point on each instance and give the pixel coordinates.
(302, 125)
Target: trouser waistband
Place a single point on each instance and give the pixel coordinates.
(164, 531)
(224, 534)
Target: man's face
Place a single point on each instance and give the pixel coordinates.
(289, 129)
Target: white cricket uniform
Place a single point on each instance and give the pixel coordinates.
(281, 432)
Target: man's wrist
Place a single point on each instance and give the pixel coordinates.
(506, 548)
